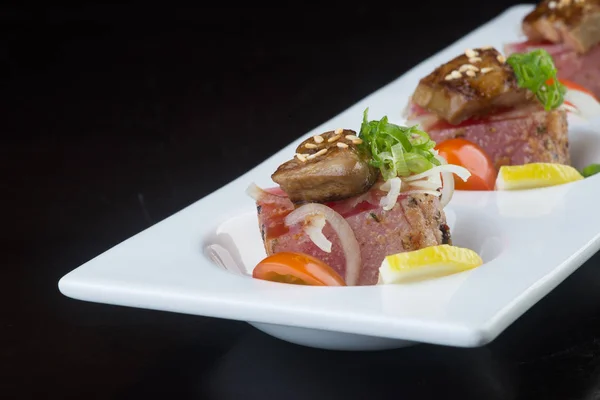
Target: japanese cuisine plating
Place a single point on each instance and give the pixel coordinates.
(367, 208)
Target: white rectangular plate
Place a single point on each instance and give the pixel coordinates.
(530, 241)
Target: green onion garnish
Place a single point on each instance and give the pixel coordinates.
(536, 71)
(397, 150)
(590, 170)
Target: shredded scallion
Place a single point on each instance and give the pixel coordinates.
(536, 71)
(397, 150)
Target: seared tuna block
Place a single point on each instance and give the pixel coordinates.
(522, 136)
(417, 220)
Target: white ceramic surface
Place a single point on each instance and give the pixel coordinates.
(522, 237)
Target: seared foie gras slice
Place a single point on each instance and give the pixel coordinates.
(575, 23)
(326, 167)
(473, 84)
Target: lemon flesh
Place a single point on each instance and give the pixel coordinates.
(427, 263)
(535, 175)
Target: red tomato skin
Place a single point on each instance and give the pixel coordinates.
(298, 268)
(462, 152)
(570, 85)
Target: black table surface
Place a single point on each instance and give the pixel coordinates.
(115, 117)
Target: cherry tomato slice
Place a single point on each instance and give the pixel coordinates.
(297, 268)
(574, 86)
(469, 155)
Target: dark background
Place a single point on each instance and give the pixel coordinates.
(115, 117)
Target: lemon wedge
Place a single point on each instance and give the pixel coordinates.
(535, 175)
(429, 262)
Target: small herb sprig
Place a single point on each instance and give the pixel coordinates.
(536, 71)
(590, 170)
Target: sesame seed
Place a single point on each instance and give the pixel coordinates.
(339, 131)
(310, 146)
(501, 58)
(473, 60)
(301, 157)
(552, 5)
(468, 67)
(564, 3)
(333, 138)
(470, 73)
(318, 139)
(486, 70)
(351, 137)
(342, 145)
(471, 53)
(357, 141)
(449, 77)
(317, 154)
(456, 75)
(488, 47)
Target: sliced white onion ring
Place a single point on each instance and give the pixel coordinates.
(348, 241)
(462, 172)
(569, 108)
(314, 229)
(264, 196)
(392, 186)
(255, 192)
(427, 184)
(587, 106)
(447, 183)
